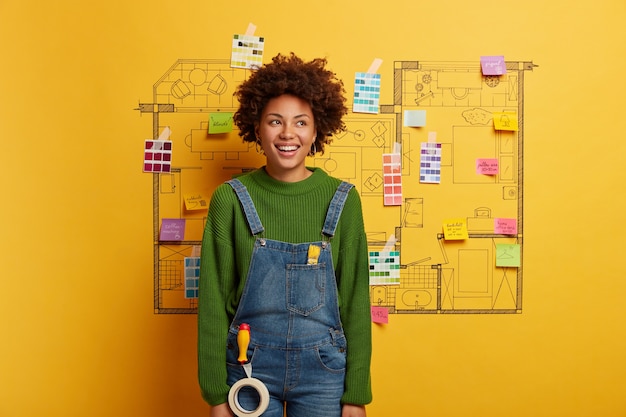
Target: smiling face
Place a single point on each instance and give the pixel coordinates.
(287, 131)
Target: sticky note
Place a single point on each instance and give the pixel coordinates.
(487, 166)
(508, 255)
(380, 315)
(172, 229)
(493, 65)
(196, 201)
(504, 226)
(455, 229)
(505, 121)
(414, 118)
(220, 122)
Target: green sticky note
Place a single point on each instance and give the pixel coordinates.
(508, 255)
(220, 122)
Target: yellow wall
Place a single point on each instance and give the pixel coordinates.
(78, 333)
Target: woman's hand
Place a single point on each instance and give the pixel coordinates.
(350, 410)
(222, 410)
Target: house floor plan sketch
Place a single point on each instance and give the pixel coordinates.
(437, 276)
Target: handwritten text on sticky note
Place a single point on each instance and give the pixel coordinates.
(487, 166)
(196, 201)
(380, 315)
(493, 65)
(220, 122)
(455, 229)
(505, 226)
(172, 229)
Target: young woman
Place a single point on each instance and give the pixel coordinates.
(284, 250)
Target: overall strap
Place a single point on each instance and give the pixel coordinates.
(335, 208)
(254, 222)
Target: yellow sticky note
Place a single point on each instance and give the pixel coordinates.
(220, 122)
(505, 120)
(455, 229)
(196, 201)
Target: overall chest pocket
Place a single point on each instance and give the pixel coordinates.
(306, 288)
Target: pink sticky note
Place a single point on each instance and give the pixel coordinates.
(380, 315)
(487, 166)
(505, 226)
(493, 65)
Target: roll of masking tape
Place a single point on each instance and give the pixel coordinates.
(233, 397)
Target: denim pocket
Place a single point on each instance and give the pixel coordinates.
(332, 356)
(305, 288)
(232, 351)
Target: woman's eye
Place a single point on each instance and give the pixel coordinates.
(274, 122)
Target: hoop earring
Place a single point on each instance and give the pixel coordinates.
(313, 149)
(258, 146)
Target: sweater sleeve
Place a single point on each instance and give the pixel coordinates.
(353, 285)
(216, 288)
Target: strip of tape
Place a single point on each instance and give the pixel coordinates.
(165, 133)
(373, 69)
(251, 29)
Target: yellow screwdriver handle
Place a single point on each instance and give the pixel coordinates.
(243, 340)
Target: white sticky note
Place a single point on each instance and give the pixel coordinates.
(415, 118)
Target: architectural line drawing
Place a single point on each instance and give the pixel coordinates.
(436, 276)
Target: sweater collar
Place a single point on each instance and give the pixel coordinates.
(261, 178)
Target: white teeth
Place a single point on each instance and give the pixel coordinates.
(287, 148)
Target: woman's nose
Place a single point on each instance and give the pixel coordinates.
(287, 132)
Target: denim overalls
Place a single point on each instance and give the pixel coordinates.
(297, 346)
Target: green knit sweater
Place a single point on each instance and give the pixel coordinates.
(290, 212)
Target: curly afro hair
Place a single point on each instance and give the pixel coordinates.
(310, 81)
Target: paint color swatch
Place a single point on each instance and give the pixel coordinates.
(384, 267)
(392, 179)
(366, 93)
(430, 162)
(247, 51)
(157, 156)
(192, 276)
